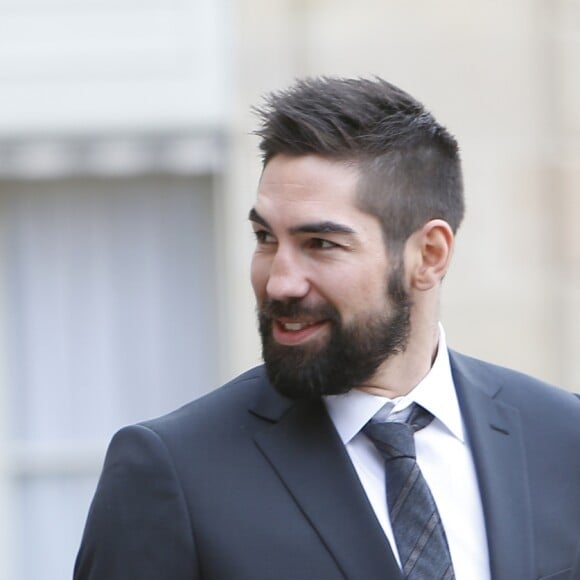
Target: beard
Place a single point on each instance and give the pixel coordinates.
(351, 354)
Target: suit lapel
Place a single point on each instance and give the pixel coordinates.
(495, 435)
(308, 456)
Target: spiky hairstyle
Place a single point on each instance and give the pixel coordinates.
(409, 165)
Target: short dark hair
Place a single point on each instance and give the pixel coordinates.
(409, 165)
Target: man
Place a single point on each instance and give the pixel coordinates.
(291, 471)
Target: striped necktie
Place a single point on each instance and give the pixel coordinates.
(416, 523)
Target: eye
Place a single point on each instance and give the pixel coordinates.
(264, 237)
(321, 244)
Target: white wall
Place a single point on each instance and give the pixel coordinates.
(110, 65)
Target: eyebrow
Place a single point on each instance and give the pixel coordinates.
(254, 216)
(323, 227)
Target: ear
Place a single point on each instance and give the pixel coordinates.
(429, 253)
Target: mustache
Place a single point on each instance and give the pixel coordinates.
(295, 308)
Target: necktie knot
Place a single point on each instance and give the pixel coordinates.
(395, 439)
(392, 439)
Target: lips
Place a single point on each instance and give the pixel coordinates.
(294, 326)
(292, 332)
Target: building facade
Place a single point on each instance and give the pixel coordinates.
(127, 170)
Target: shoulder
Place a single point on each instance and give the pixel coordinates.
(202, 421)
(221, 405)
(512, 387)
(217, 422)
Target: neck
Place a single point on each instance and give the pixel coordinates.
(401, 373)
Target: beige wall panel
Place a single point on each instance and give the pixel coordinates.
(571, 216)
(471, 62)
(568, 285)
(498, 301)
(567, 47)
(238, 327)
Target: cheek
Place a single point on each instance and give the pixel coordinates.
(259, 275)
(358, 292)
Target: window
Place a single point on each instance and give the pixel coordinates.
(107, 316)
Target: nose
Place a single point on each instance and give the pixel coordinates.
(287, 277)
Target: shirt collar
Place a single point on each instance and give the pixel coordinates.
(435, 392)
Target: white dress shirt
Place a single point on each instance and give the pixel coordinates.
(443, 454)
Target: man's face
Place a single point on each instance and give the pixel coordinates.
(331, 308)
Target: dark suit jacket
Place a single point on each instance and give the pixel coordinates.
(245, 485)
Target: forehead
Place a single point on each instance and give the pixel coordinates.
(308, 186)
